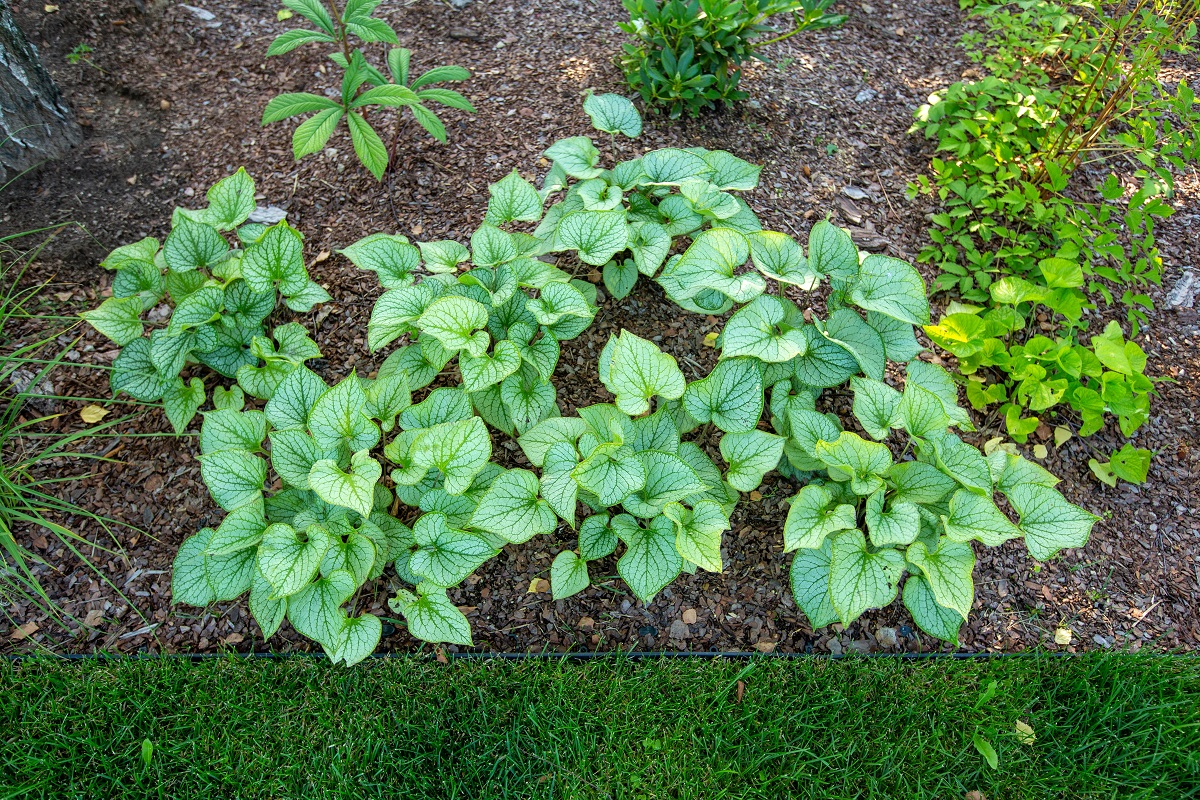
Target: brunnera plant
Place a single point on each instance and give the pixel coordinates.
(219, 292)
(363, 86)
(657, 472)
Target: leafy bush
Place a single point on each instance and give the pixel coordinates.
(1065, 85)
(396, 89)
(642, 466)
(688, 55)
(219, 297)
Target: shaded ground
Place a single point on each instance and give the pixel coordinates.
(172, 105)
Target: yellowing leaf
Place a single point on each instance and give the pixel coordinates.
(710, 339)
(1040, 451)
(283, 14)
(93, 413)
(1061, 435)
(1025, 733)
(1062, 636)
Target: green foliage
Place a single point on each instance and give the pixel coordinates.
(489, 319)
(1018, 238)
(220, 296)
(687, 56)
(365, 90)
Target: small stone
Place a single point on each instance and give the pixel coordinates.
(460, 4)
(268, 215)
(164, 104)
(865, 96)
(886, 637)
(679, 630)
(1100, 640)
(689, 616)
(587, 623)
(835, 647)
(464, 34)
(1183, 294)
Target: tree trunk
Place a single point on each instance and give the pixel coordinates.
(35, 122)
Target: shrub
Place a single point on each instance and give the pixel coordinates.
(687, 56)
(642, 466)
(396, 89)
(1018, 241)
(219, 297)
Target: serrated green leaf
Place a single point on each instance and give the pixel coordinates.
(392, 258)
(1050, 523)
(810, 584)
(899, 524)
(512, 509)
(118, 318)
(859, 579)
(949, 570)
(613, 114)
(182, 401)
(639, 371)
(731, 397)
(876, 405)
(831, 252)
(568, 575)
(750, 455)
(458, 449)
(339, 419)
(974, 516)
(193, 245)
(891, 287)
(813, 516)
(446, 556)
(456, 323)
(597, 538)
(513, 199)
(577, 156)
(288, 559)
(233, 477)
(432, 617)
(651, 560)
(929, 616)
(698, 532)
(354, 490)
(848, 330)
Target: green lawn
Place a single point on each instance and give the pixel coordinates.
(1106, 726)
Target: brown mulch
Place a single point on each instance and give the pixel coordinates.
(173, 104)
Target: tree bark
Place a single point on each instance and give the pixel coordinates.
(35, 122)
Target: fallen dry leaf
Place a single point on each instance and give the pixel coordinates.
(756, 495)
(741, 690)
(63, 297)
(1062, 636)
(1061, 435)
(974, 795)
(51, 9)
(538, 585)
(25, 631)
(1040, 452)
(131, 180)
(93, 413)
(765, 647)
(587, 623)
(93, 618)
(689, 616)
(1025, 733)
(234, 638)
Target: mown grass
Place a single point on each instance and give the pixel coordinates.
(1106, 726)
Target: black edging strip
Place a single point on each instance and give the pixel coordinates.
(615, 655)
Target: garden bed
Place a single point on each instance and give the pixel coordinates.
(177, 106)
